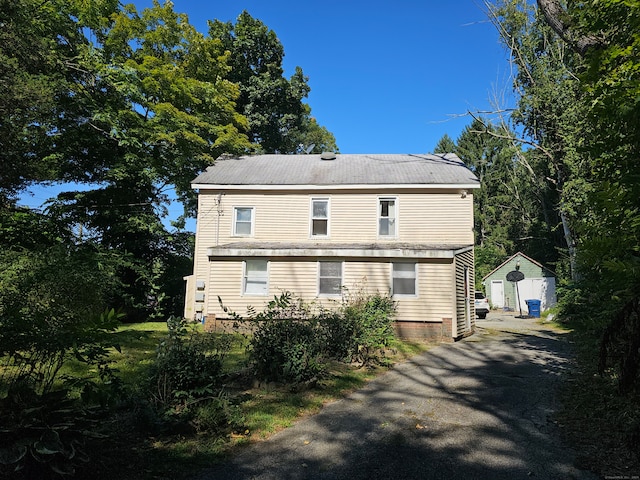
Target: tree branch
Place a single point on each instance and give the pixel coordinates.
(524, 141)
(555, 17)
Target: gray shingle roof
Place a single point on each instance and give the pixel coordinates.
(346, 169)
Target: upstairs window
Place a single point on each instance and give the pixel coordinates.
(243, 221)
(319, 217)
(255, 280)
(404, 281)
(387, 217)
(329, 278)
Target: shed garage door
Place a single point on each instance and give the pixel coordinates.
(543, 289)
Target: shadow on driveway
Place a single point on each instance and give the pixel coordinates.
(477, 409)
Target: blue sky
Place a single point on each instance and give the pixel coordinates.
(385, 77)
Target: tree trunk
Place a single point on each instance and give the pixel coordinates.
(555, 17)
(571, 244)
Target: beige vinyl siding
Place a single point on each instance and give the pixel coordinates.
(435, 295)
(422, 217)
(369, 276)
(464, 260)
(354, 217)
(296, 275)
(225, 281)
(427, 217)
(300, 276)
(189, 303)
(205, 237)
(436, 218)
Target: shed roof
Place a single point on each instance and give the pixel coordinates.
(519, 254)
(445, 170)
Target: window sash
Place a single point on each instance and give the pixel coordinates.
(243, 221)
(256, 277)
(404, 279)
(320, 217)
(330, 278)
(387, 217)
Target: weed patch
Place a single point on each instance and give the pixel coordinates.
(601, 423)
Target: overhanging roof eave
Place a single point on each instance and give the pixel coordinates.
(359, 186)
(329, 252)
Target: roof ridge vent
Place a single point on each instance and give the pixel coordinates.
(328, 156)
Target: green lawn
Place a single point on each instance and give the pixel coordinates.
(136, 445)
(266, 408)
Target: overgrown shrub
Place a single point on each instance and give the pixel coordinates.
(371, 318)
(339, 335)
(44, 423)
(52, 309)
(292, 342)
(186, 382)
(188, 365)
(620, 347)
(285, 346)
(219, 415)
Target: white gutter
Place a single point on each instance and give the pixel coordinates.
(402, 186)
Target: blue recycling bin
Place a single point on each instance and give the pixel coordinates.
(534, 307)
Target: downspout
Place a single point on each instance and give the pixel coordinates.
(220, 213)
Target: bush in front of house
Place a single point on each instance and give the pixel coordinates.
(292, 344)
(338, 334)
(370, 316)
(287, 350)
(285, 346)
(188, 364)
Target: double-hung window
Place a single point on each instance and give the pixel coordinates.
(404, 279)
(387, 214)
(329, 278)
(243, 219)
(255, 278)
(319, 217)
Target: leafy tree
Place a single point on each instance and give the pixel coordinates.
(38, 41)
(278, 119)
(135, 105)
(604, 34)
(550, 113)
(158, 103)
(514, 208)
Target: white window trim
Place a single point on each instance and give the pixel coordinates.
(235, 220)
(243, 285)
(311, 218)
(397, 210)
(417, 286)
(330, 295)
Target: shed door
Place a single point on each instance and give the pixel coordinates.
(497, 293)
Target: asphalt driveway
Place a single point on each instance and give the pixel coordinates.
(477, 409)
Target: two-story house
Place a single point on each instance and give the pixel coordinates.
(315, 225)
